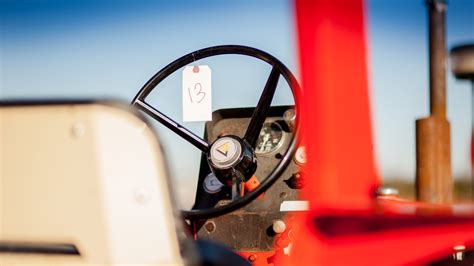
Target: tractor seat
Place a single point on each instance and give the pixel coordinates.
(82, 183)
(462, 61)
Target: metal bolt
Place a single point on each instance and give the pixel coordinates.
(210, 226)
(142, 195)
(387, 192)
(279, 226)
(283, 195)
(252, 258)
(78, 130)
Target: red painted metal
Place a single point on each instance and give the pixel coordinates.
(335, 106)
(384, 235)
(282, 245)
(347, 224)
(264, 258)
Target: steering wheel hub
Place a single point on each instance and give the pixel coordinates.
(225, 152)
(230, 156)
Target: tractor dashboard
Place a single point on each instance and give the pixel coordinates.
(259, 224)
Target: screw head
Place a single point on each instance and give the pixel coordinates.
(387, 192)
(279, 226)
(252, 258)
(210, 226)
(78, 129)
(142, 195)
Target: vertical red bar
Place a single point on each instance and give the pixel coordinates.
(337, 130)
(336, 116)
(336, 107)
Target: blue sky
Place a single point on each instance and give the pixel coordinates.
(110, 49)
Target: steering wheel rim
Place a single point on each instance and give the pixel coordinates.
(140, 103)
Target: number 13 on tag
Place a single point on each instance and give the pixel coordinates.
(197, 100)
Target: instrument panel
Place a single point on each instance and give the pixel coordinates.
(251, 227)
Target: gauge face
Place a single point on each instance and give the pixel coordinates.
(300, 156)
(270, 138)
(211, 184)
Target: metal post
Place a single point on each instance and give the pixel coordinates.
(437, 50)
(434, 182)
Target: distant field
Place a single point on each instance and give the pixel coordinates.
(185, 191)
(462, 189)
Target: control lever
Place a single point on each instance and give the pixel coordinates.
(252, 184)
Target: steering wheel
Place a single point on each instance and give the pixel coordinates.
(239, 162)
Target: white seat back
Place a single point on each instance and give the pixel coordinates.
(89, 175)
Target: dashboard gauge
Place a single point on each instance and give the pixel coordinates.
(270, 139)
(300, 156)
(211, 184)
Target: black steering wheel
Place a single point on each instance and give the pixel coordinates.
(239, 163)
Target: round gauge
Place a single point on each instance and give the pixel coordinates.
(300, 156)
(270, 138)
(211, 184)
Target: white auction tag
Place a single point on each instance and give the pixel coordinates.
(197, 98)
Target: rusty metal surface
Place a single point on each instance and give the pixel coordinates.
(434, 182)
(437, 50)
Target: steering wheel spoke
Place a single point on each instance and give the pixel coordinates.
(173, 126)
(260, 113)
